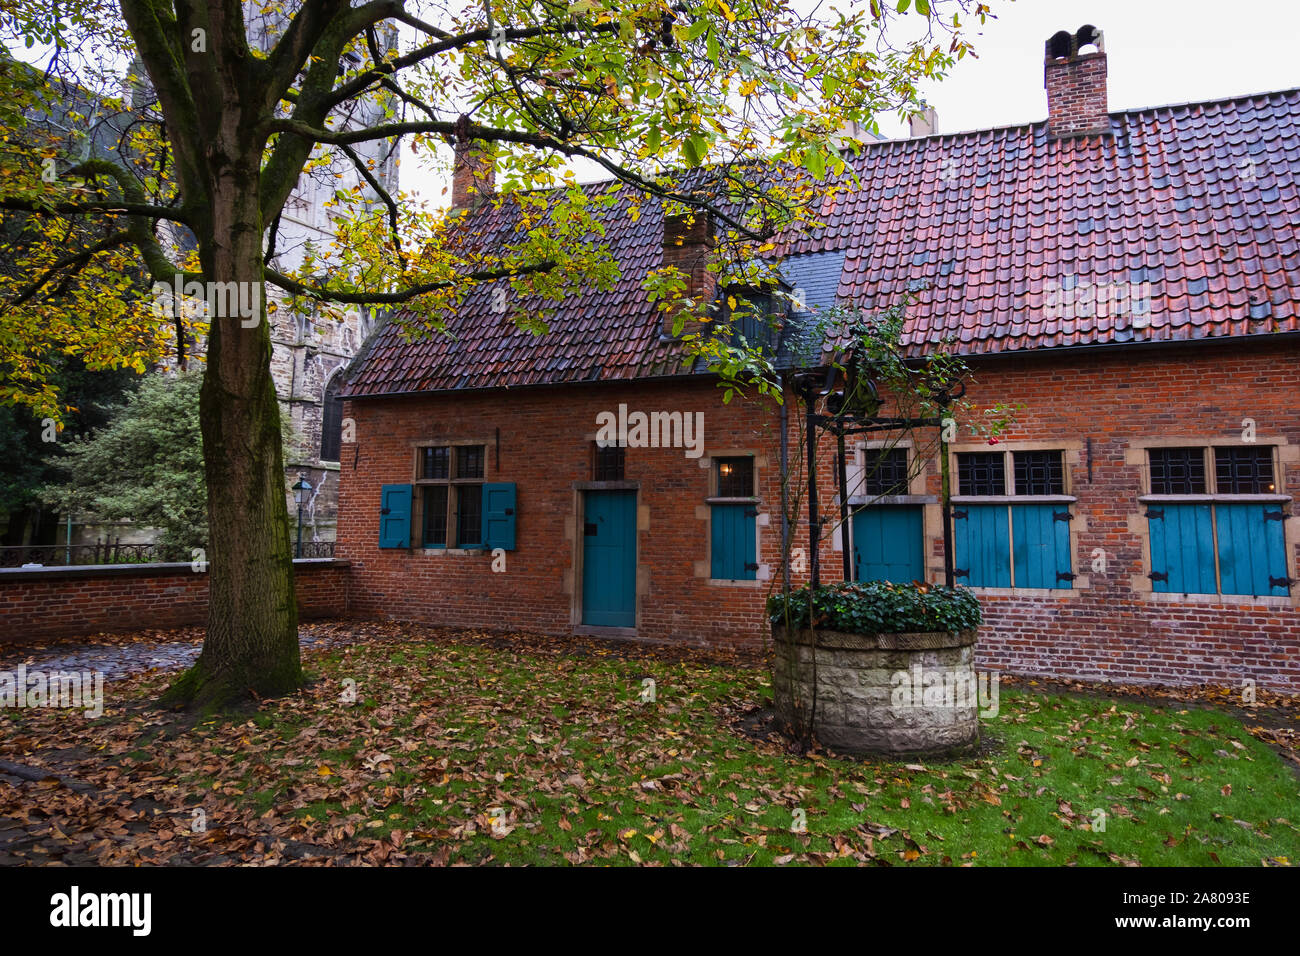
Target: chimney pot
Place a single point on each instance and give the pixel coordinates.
(925, 123)
(1076, 83)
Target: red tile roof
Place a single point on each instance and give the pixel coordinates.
(1183, 224)
(594, 336)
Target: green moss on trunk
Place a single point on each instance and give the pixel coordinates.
(208, 688)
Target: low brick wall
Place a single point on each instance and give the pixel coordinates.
(42, 603)
(1117, 638)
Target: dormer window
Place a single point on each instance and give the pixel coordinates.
(750, 315)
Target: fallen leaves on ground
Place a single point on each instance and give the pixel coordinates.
(461, 747)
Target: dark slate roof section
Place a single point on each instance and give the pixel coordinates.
(815, 278)
(801, 343)
(1184, 224)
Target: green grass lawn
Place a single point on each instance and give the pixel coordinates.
(468, 754)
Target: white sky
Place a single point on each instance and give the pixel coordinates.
(1158, 52)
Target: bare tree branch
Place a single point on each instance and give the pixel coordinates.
(92, 206)
(472, 131)
(448, 43)
(393, 212)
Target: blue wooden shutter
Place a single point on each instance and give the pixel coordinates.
(1042, 546)
(1252, 549)
(887, 544)
(982, 545)
(499, 515)
(734, 544)
(1182, 548)
(395, 516)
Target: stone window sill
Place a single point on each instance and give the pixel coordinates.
(1014, 499)
(1235, 600)
(868, 500)
(1212, 499)
(1028, 592)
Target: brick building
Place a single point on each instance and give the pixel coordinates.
(1129, 279)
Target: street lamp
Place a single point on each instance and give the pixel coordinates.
(301, 490)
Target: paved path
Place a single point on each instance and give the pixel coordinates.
(27, 838)
(126, 658)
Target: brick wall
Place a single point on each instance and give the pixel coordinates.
(1105, 627)
(68, 602)
(545, 446)
(1114, 628)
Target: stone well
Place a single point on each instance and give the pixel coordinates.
(894, 694)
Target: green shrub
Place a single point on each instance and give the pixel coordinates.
(877, 607)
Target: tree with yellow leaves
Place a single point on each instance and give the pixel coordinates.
(729, 106)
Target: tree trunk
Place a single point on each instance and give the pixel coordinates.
(251, 645)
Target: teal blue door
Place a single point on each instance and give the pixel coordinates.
(609, 559)
(887, 544)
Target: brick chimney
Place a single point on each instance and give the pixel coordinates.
(473, 178)
(1076, 83)
(688, 244)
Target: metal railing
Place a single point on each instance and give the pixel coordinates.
(317, 549)
(114, 552)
